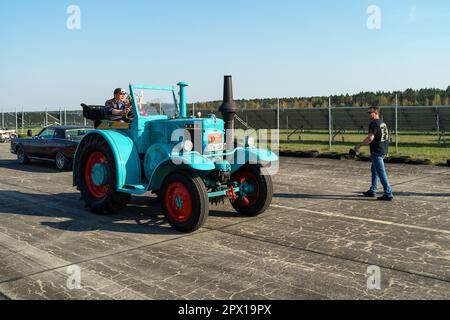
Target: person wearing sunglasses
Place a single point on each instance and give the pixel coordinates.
(378, 140)
(119, 108)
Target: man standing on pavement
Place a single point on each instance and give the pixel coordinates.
(378, 139)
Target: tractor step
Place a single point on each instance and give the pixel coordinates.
(134, 189)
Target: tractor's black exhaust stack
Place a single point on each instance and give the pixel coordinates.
(228, 110)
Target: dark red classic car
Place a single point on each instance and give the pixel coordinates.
(54, 143)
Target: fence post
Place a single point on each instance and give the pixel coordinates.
(396, 123)
(46, 118)
(438, 126)
(287, 128)
(330, 124)
(17, 130)
(65, 116)
(3, 119)
(278, 121)
(22, 119)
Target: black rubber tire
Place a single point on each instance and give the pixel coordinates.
(365, 158)
(22, 156)
(285, 153)
(113, 201)
(158, 196)
(200, 201)
(265, 186)
(330, 155)
(423, 162)
(399, 160)
(62, 163)
(308, 154)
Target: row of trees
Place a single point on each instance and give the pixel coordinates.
(409, 97)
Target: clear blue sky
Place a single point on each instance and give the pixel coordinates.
(272, 48)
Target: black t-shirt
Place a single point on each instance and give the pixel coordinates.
(380, 145)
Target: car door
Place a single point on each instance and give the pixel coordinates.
(42, 142)
(30, 145)
(58, 143)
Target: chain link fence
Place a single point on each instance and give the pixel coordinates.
(294, 124)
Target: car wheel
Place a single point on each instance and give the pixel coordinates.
(62, 163)
(22, 157)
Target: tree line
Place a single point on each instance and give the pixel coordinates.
(409, 97)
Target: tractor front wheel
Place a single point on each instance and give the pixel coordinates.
(97, 177)
(256, 191)
(185, 201)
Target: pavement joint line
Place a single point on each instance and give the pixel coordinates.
(409, 181)
(4, 297)
(207, 230)
(383, 222)
(270, 214)
(98, 257)
(323, 253)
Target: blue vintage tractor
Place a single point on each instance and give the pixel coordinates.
(188, 162)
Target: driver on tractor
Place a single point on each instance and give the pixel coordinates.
(119, 108)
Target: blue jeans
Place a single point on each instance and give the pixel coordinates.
(379, 172)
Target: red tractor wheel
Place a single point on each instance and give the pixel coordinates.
(97, 177)
(256, 191)
(185, 201)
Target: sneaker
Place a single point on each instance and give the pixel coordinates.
(369, 194)
(386, 198)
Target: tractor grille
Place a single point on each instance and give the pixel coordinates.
(194, 133)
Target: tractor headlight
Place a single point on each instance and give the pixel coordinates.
(188, 146)
(250, 142)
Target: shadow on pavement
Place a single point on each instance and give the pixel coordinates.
(356, 196)
(321, 197)
(34, 166)
(142, 216)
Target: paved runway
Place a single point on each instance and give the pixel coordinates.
(317, 241)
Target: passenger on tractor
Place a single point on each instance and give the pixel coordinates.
(119, 108)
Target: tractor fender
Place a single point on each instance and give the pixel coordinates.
(159, 162)
(244, 156)
(126, 156)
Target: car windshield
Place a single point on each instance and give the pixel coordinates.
(76, 134)
(155, 102)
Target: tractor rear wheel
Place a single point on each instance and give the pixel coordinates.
(97, 177)
(185, 201)
(256, 191)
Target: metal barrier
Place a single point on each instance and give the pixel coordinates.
(402, 119)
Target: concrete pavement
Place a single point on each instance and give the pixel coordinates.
(318, 240)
